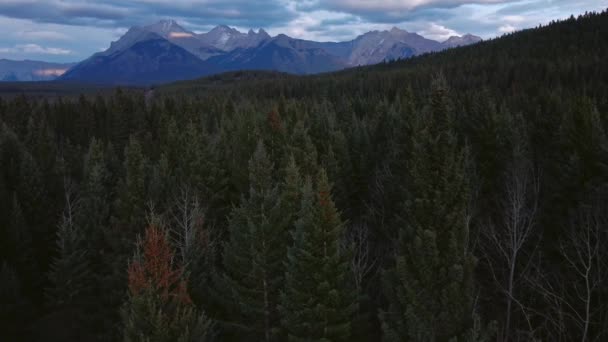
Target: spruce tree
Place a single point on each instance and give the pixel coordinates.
(192, 158)
(430, 289)
(36, 209)
(275, 131)
(253, 257)
(319, 301)
(93, 220)
(291, 190)
(130, 207)
(127, 221)
(303, 149)
(95, 197)
(20, 250)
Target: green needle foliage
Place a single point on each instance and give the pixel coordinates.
(319, 300)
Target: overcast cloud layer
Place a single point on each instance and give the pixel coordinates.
(71, 30)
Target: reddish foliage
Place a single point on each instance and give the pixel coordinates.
(156, 271)
(137, 278)
(274, 120)
(324, 198)
(325, 204)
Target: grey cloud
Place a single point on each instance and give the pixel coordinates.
(393, 11)
(35, 49)
(127, 13)
(42, 35)
(94, 11)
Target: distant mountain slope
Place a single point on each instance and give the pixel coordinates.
(146, 62)
(281, 53)
(165, 51)
(12, 71)
(456, 41)
(377, 46)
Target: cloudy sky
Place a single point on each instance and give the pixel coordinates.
(71, 30)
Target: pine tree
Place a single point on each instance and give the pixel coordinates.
(303, 149)
(93, 221)
(19, 238)
(126, 222)
(430, 288)
(95, 198)
(132, 195)
(275, 131)
(319, 301)
(36, 210)
(254, 255)
(291, 192)
(192, 158)
(20, 251)
(159, 307)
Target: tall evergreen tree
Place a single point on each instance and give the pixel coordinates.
(93, 219)
(20, 251)
(319, 301)
(130, 207)
(95, 197)
(291, 190)
(430, 290)
(303, 149)
(254, 255)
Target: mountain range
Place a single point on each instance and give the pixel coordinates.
(165, 52)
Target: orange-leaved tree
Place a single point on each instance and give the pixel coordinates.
(159, 307)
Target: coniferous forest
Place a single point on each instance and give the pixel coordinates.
(455, 196)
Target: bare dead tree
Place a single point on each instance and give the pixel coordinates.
(191, 238)
(508, 246)
(582, 251)
(573, 304)
(67, 235)
(71, 202)
(363, 261)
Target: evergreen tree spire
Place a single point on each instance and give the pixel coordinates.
(318, 301)
(94, 208)
(254, 255)
(431, 287)
(130, 206)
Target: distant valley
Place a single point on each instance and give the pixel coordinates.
(13, 71)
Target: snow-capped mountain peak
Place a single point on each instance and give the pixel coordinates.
(396, 30)
(167, 28)
(227, 38)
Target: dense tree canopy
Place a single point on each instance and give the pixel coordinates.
(455, 196)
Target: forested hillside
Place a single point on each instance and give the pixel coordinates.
(455, 196)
